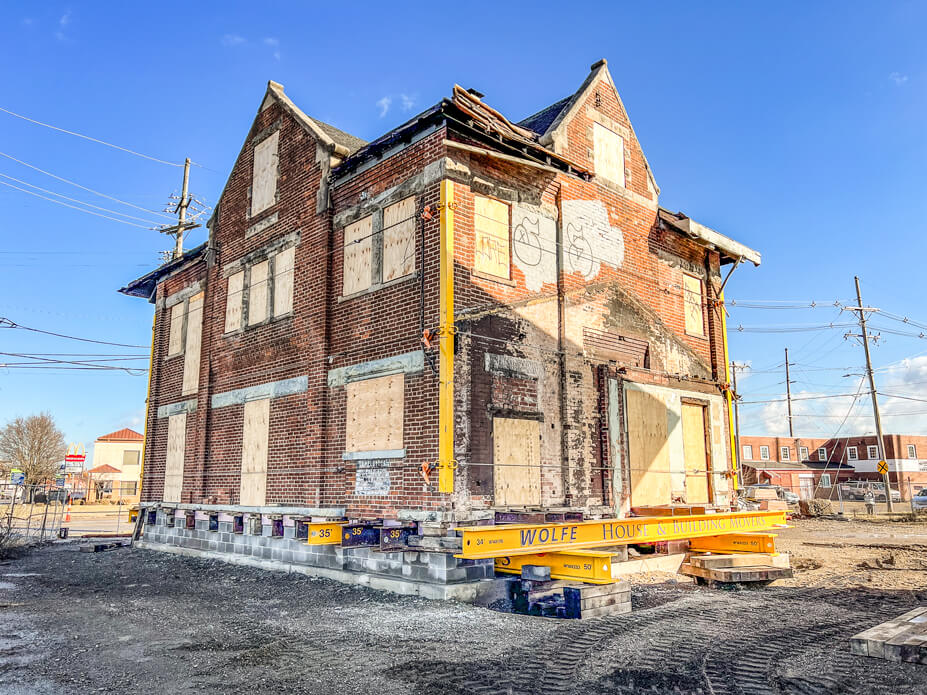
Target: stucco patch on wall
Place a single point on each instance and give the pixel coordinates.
(589, 239)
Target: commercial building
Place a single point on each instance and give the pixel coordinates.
(464, 316)
(117, 470)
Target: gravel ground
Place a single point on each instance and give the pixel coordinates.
(134, 620)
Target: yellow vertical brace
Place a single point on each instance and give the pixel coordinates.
(446, 369)
(730, 400)
(141, 468)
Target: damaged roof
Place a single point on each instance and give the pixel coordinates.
(543, 119)
(146, 285)
(731, 251)
(339, 137)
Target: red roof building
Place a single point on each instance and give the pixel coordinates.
(123, 435)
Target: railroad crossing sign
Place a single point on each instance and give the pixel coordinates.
(883, 467)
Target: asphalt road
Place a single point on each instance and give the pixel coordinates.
(133, 620)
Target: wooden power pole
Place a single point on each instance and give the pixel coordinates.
(861, 310)
(788, 392)
(181, 209)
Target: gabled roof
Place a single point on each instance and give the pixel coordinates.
(105, 468)
(342, 144)
(123, 435)
(556, 116)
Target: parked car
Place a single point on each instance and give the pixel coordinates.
(55, 494)
(856, 490)
(919, 501)
(78, 496)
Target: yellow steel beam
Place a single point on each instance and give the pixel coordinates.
(590, 566)
(141, 468)
(325, 533)
(481, 542)
(737, 543)
(446, 368)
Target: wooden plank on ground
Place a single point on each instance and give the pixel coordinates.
(901, 639)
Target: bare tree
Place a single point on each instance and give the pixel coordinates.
(34, 445)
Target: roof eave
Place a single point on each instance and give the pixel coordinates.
(730, 250)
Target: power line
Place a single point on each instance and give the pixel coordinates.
(74, 207)
(7, 323)
(87, 137)
(75, 200)
(90, 190)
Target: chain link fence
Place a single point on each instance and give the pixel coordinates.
(30, 513)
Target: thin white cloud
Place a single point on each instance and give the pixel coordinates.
(407, 102)
(27, 21)
(898, 78)
(274, 43)
(63, 22)
(232, 40)
(383, 104)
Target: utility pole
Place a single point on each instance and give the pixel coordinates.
(181, 209)
(872, 388)
(788, 392)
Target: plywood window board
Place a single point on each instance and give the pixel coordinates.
(191, 361)
(516, 462)
(175, 340)
(692, 297)
(173, 466)
(695, 452)
(648, 449)
(284, 265)
(608, 149)
(233, 301)
(258, 293)
(492, 237)
(399, 239)
(264, 175)
(358, 252)
(256, 429)
(374, 414)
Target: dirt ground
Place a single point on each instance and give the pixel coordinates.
(132, 620)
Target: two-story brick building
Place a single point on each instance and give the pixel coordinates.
(464, 315)
(812, 466)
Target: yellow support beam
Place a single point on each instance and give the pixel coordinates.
(736, 543)
(730, 400)
(590, 566)
(325, 533)
(480, 542)
(446, 368)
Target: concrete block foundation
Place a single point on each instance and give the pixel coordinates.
(430, 574)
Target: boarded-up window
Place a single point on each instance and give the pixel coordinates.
(374, 417)
(175, 343)
(491, 252)
(608, 147)
(254, 453)
(516, 461)
(233, 301)
(257, 293)
(692, 299)
(695, 453)
(648, 450)
(283, 281)
(358, 249)
(191, 360)
(264, 176)
(173, 466)
(399, 239)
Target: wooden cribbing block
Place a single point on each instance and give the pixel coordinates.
(901, 639)
(745, 560)
(592, 601)
(734, 575)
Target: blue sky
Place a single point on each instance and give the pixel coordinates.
(795, 128)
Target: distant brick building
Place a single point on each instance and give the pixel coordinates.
(811, 466)
(297, 352)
